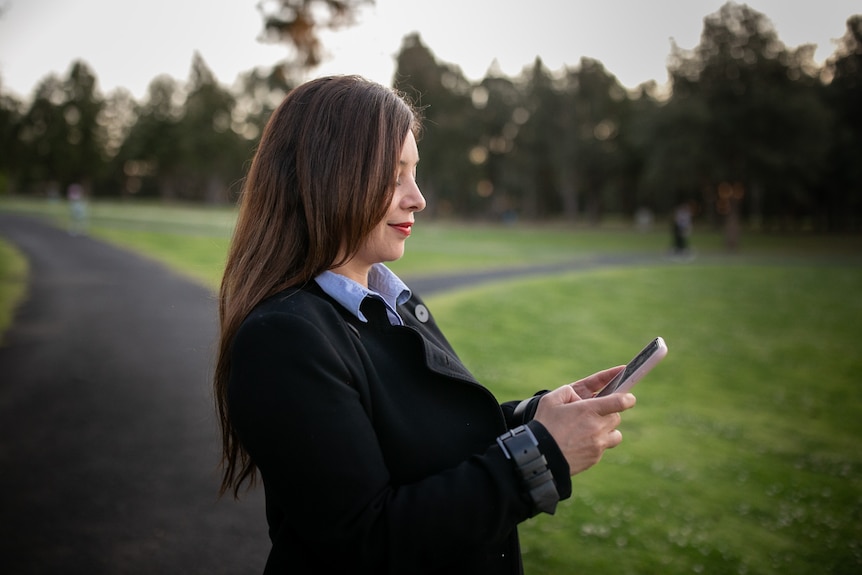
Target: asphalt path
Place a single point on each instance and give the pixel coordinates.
(108, 442)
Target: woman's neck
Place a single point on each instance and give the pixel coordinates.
(351, 270)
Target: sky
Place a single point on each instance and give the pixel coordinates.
(128, 43)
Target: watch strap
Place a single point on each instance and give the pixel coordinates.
(522, 447)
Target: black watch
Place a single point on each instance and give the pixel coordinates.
(521, 446)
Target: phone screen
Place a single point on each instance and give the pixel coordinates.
(654, 351)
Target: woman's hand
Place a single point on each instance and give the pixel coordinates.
(583, 426)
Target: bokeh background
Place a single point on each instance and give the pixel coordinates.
(556, 110)
(621, 169)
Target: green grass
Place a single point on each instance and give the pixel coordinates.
(742, 455)
(190, 239)
(200, 257)
(193, 240)
(13, 283)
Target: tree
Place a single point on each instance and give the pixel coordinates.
(82, 110)
(213, 153)
(258, 94)
(762, 129)
(447, 177)
(118, 115)
(11, 160)
(185, 144)
(151, 156)
(676, 163)
(633, 144)
(500, 108)
(841, 200)
(298, 23)
(589, 156)
(535, 144)
(60, 136)
(42, 130)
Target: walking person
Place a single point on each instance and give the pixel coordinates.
(681, 229)
(77, 209)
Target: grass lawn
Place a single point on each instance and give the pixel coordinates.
(13, 283)
(742, 455)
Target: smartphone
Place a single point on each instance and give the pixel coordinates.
(636, 368)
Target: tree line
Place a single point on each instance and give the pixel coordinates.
(750, 132)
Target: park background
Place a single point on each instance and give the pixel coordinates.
(747, 131)
(742, 456)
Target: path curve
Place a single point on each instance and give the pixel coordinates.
(107, 434)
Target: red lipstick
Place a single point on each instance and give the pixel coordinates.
(404, 227)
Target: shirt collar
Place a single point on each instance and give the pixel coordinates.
(383, 284)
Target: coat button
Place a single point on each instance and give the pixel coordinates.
(422, 313)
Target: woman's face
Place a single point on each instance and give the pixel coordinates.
(386, 241)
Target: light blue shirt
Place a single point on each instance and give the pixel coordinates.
(383, 284)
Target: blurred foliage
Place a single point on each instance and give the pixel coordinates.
(750, 132)
(298, 22)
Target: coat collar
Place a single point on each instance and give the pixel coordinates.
(438, 353)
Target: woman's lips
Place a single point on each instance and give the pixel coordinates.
(404, 227)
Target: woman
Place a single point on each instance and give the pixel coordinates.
(378, 450)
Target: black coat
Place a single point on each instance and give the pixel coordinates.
(375, 444)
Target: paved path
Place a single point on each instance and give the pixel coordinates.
(107, 436)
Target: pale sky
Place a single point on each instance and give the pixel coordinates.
(128, 43)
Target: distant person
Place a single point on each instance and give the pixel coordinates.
(378, 451)
(681, 229)
(643, 219)
(77, 209)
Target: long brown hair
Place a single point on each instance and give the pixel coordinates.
(321, 179)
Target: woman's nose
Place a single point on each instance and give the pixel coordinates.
(414, 198)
